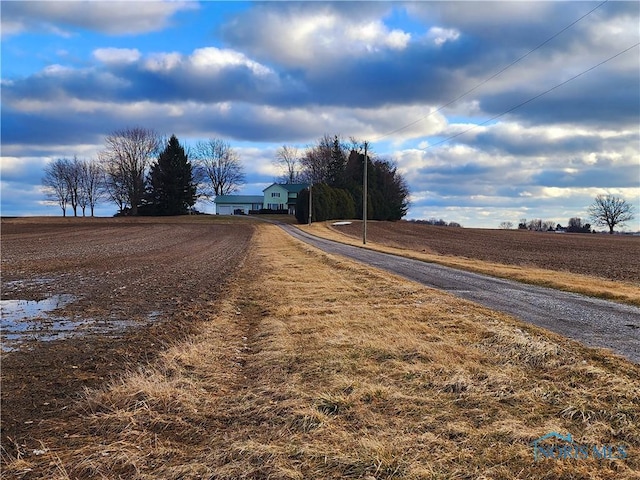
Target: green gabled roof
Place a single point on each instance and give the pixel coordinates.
(290, 187)
(294, 187)
(239, 199)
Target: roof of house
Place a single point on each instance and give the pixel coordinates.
(290, 187)
(239, 199)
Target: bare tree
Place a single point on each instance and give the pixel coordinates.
(575, 224)
(219, 166)
(126, 158)
(506, 225)
(72, 176)
(316, 161)
(115, 185)
(535, 225)
(92, 185)
(55, 183)
(610, 211)
(288, 159)
(83, 199)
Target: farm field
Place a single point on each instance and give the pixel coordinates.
(303, 365)
(599, 265)
(614, 257)
(160, 276)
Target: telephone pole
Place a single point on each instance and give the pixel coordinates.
(364, 196)
(310, 185)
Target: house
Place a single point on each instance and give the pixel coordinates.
(237, 204)
(277, 196)
(282, 196)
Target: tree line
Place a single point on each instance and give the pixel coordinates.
(436, 222)
(606, 210)
(334, 169)
(575, 225)
(143, 173)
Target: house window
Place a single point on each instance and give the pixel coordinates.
(275, 194)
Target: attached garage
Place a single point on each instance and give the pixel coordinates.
(237, 204)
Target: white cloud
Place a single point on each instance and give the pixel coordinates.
(114, 17)
(163, 62)
(315, 36)
(117, 55)
(17, 166)
(374, 35)
(439, 35)
(56, 70)
(202, 61)
(211, 58)
(397, 39)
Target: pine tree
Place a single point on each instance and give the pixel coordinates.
(335, 173)
(172, 190)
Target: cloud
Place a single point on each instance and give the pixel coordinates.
(313, 35)
(124, 75)
(287, 73)
(117, 55)
(441, 35)
(65, 17)
(22, 169)
(68, 120)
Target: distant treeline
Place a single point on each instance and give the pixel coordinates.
(575, 225)
(437, 222)
(336, 175)
(143, 173)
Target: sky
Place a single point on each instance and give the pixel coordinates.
(492, 111)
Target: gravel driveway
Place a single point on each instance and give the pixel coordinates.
(594, 322)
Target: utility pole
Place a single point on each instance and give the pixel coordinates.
(364, 196)
(310, 185)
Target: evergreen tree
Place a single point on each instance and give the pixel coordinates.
(337, 163)
(391, 192)
(172, 190)
(340, 195)
(387, 191)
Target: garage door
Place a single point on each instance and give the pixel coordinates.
(225, 210)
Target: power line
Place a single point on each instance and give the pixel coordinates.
(492, 76)
(533, 98)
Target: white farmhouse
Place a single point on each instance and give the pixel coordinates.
(277, 196)
(282, 196)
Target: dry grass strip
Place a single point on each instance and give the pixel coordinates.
(624, 292)
(319, 368)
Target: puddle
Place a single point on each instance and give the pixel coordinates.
(23, 320)
(15, 312)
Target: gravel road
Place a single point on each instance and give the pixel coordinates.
(594, 322)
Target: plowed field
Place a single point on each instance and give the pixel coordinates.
(141, 283)
(614, 257)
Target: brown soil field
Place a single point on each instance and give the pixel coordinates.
(159, 276)
(335, 371)
(613, 257)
